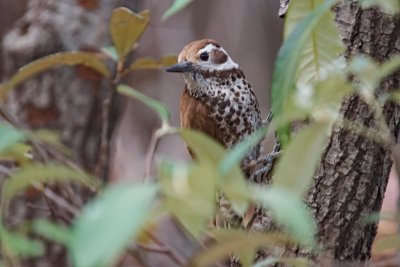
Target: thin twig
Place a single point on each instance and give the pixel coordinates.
(5, 114)
(251, 221)
(104, 152)
(48, 151)
(154, 141)
(133, 252)
(164, 130)
(4, 170)
(49, 195)
(153, 249)
(61, 202)
(104, 146)
(163, 248)
(38, 207)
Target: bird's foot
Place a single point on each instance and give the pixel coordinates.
(264, 165)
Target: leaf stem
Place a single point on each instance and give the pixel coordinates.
(104, 144)
(165, 129)
(104, 153)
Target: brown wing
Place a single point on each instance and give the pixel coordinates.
(196, 115)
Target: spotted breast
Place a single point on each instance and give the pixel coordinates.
(217, 98)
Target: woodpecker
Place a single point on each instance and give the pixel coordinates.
(217, 99)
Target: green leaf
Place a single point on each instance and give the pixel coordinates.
(388, 6)
(9, 136)
(177, 6)
(107, 224)
(204, 147)
(158, 107)
(321, 102)
(367, 72)
(323, 46)
(20, 245)
(289, 211)
(296, 262)
(126, 27)
(289, 60)
(329, 94)
(52, 231)
(19, 152)
(148, 63)
(296, 12)
(43, 173)
(390, 242)
(24, 247)
(88, 59)
(290, 55)
(211, 152)
(235, 241)
(375, 217)
(388, 67)
(240, 150)
(52, 138)
(111, 52)
(297, 165)
(189, 194)
(394, 96)
(247, 256)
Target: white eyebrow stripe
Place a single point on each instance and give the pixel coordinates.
(227, 65)
(208, 48)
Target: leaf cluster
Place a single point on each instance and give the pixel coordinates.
(309, 83)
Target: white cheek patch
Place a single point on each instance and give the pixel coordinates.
(227, 65)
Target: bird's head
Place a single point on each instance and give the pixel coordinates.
(203, 56)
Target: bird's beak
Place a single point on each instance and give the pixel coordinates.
(181, 67)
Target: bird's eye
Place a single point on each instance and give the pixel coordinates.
(204, 56)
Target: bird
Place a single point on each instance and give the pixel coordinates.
(217, 99)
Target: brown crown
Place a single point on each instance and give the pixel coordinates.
(189, 52)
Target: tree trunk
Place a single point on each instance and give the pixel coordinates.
(351, 180)
(59, 99)
(68, 100)
(9, 13)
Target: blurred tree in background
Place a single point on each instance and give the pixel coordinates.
(66, 100)
(335, 109)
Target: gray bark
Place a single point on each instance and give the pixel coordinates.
(351, 180)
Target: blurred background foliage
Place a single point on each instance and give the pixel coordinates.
(309, 82)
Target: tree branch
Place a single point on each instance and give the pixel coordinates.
(104, 144)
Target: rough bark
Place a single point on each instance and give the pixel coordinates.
(351, 180)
